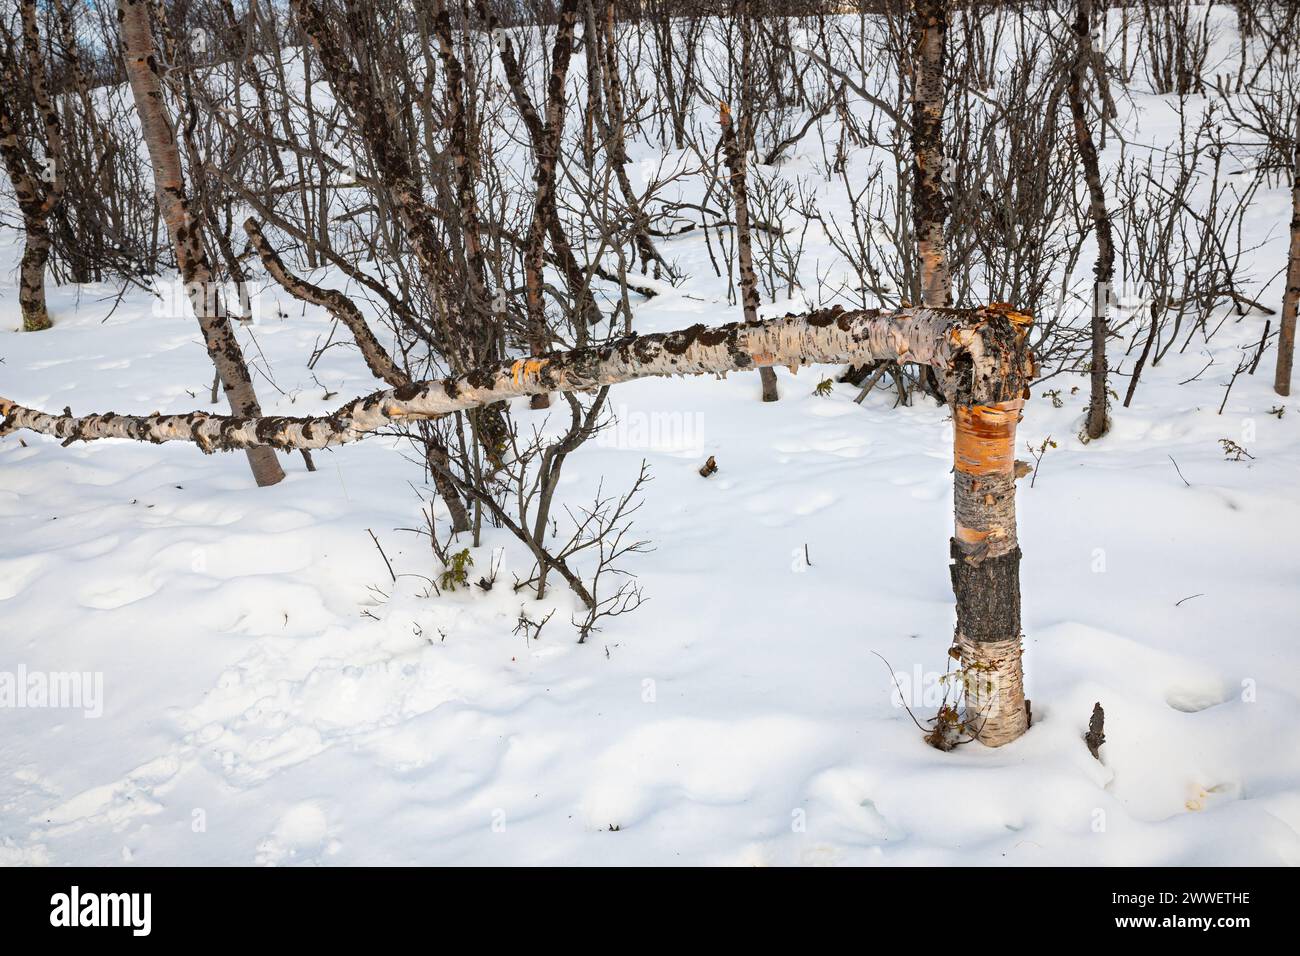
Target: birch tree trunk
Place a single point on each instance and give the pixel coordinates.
(735, 148)
(984, 548)
(586, 311)
(974, 352)
(986, 568)
(143, 70)
(744, 252)
(612, 123)
(929, 205)
(38, 191)
(1104, 269)
(547, 150)
(31, 276)
(462, 161)
(1290, 297)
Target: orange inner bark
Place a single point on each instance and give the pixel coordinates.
(970, 536)
(524, 369)
(984, 441)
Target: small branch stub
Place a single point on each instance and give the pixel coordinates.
(1096, 735)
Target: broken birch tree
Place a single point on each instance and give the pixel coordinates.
(979, 357)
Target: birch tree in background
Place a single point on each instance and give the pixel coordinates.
(1085, 60)
(1291, 296)
(1267, 111)
(545, 133)
(735, 147)
(929, 205)
(28, 120)
(143, 69)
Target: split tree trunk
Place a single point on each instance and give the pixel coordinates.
(143, 69)
(1104, 269)
(1291, 297)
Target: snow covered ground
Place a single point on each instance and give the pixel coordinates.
(263, 703)
(254, 688)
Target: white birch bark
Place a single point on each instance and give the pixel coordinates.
(978, 354)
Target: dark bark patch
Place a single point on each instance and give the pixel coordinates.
(405, 393)
(988, 595)
(677, 343)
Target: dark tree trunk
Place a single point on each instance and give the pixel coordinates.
(1291, 297)
(31, 277)
(1104, 269)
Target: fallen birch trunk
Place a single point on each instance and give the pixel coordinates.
(955, 342)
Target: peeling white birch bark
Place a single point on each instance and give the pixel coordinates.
(955, 342)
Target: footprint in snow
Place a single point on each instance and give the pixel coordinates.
(110, 596)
